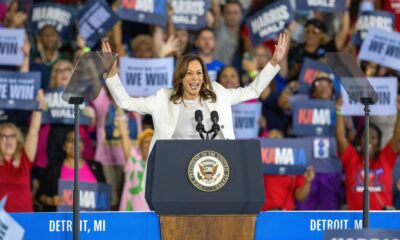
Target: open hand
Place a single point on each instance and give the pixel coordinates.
(280, 49)
(105, 47)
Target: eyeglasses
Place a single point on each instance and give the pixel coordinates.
(4, 137)
(60, 70)
(312, 30)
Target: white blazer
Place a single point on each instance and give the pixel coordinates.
(165, 113)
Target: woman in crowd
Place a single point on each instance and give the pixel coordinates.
(16, 157)
(381, 164)
(63, 169)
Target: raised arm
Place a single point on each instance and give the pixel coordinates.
(32, 137)
(302, 193)
(341, 139)
(395, 140)
(344, 29)
(119, 94)
(263, 79)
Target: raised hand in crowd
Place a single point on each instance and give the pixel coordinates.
(170, 48)
(26, 49)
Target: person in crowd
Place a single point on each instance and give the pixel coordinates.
(63, 169)
(192, 90)
(381, 164)
(16, 156)
(229, 77)
(282, 191)
(133, 192)
(227, 32)
(205, 44)
(15, 16)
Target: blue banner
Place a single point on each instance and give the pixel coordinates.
(60, 111)
(331, 6)
(92, 196)
(285, 156)
(95, 19)
(311, 70)
(324, 157)
(314, 118)
(366, 20)
(145, 225)
(376, 234)
(190, 14)
(11, 43)
(18, 90)
(269, 22)
(60, 16)
(144, 11)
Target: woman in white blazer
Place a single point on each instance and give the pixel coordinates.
(173, 109)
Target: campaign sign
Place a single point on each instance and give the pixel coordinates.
(386, 88)
(381, 47)
(366, 20)
(269, 22)
(314, 118)
(11, 42)
(92, 196)
(60, 111)
(190, 14)
(331, 6)
(144, 77)
(311, 70)
(144, 11)
(245, 120)
(376, 234)
(18, 90)
(58, 15)
(324, 156)
(95, 19)
(285, 156)
(9, 228)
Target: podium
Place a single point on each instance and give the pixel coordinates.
(205, 189)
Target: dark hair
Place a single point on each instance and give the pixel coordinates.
(237, 2)
(225, 67)
(206, 91)
(314, 85)
(204, 29)
(316, 23)
(361, 134)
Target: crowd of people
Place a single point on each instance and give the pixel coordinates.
(115, 144)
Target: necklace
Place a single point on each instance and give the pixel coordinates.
(191, 104)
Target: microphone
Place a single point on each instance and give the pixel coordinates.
(198, 116)
(215, 127)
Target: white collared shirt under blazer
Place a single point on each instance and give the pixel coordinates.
(165, 113)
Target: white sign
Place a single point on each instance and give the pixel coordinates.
(245, 120)
(385, 87)
(144, 77)
(11, 42)
(381, 47)
(9, 228)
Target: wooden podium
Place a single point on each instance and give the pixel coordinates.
(200, 227)
(189, 210)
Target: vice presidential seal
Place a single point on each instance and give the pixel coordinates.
(208, 171)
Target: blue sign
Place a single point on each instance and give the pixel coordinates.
(269, 22)
(314, 118)
(366, 20)
(191, 14)
(285, 156)
(60, 111)
(95, 19)
(331, 6)
(92, 196)
(310, 71)
(60, 16)
(18, 90)
(324, 155)
(145, 225)
(376, 234)
(149, 11)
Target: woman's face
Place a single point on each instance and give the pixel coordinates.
(69, 145)
(8, 142)
(143, 51)
(373, 143)
(49, 38)
(183, 37)
(63, 73)
(323, 90)
(229, 78)
(312, 35)
(144, 147)
(193, 80)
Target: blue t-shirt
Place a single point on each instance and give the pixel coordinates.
(213, 69)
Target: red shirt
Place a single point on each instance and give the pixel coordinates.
(15, 183)
(279, 191)
(381, 179)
